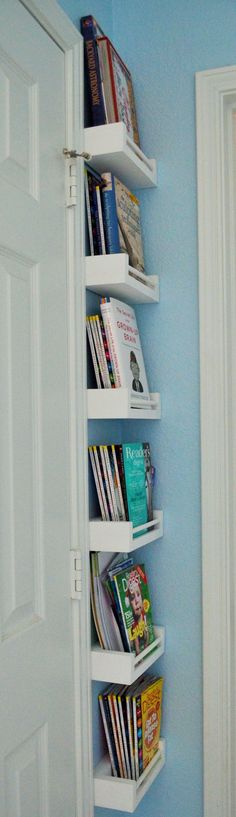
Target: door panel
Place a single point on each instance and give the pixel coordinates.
(36, 672)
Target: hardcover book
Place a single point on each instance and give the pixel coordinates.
(121, 215)
(135, 605)
(90, 31)
(125, 348)
(118, 88)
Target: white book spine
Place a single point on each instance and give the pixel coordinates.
(93, 353)
(101, 483)
(111, 483)
(106, 730)
(98, 349)
(101, 503)
(110, 702)
(101, 448)
(124, 737)
(105, 310)
(130, 733)
(100, 218)
(120, 739)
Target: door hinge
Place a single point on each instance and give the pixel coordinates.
(71, 174)
(75, 575)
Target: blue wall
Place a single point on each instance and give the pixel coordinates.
(164, 46)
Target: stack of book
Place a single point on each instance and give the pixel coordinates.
(120, 602)
(131, 718)
(113, 217)
(109, 82)
(116, 351)
(124, 478)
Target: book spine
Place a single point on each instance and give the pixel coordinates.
(103, 353)
(110, 218)
(124, 736)
(100, 220)
(94, 215)
(94, 76)
(89, 219)
(139, 734)
(107, 353)
(120, 462)
(110, 702)
(101, 483)
(103, 372)
(120, 738)
(130, 734)
(135, 728)
(108, 491)
(113, 85)
(118, 483)
(111, 483)
(107, 734)
(95, 474)
(93, 353)
(105, 310)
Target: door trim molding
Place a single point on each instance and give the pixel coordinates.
(216, 99)
(55, 22)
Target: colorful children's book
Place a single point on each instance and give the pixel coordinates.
(151, 707)
(122, 225)
(132, 595)
(125, 349)
(118, 88)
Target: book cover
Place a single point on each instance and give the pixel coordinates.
(135, 605)
(118, 88)
(135, 480)
(90, 31)
(125, 348)
(122, 225)
(151, 706)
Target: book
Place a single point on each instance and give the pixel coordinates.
(132, 595)
(93, 185)
(125, 349)
(97, 483)
(90, 31)
(93, 351)
(118, 88)
(135, 481)
(108, 734)
(121, 216)
(151, 708)
(149, 479)
(124, 727)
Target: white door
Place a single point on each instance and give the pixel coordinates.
(36, 673)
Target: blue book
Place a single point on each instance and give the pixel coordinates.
(110, 218)
(90, 31)
(135, 479)
(122, 225)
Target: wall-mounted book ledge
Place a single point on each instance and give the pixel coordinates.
(112, 275)
(112, 404)
(125, 795)
(120, 536)
(125, 667)
(111, 149)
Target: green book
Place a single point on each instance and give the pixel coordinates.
(135, 480)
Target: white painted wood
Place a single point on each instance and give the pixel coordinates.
(43, 744)
(119, 536)
(112, 149)
(125, 795)
(112, 275)
(216, 105)
(111, 404)
(123, 667)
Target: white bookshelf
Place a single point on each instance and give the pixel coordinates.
(120, 536)
(114, 404)
(124, 667)
(113, 275)
(111, 149)
(125, 795)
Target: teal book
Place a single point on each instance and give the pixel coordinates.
(135, 481)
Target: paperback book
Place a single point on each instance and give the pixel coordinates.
(122, 225)
(125, 349)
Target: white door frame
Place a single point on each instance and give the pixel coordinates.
(216, 102)
(66, 36)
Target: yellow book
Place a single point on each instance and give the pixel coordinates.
(151, 704)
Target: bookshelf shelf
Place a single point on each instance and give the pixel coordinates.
(119, 536)
(123, 667)
(112, 275)
(125, 795)
(111, 404)
(111, 149)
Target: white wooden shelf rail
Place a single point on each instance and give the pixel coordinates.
(125, 795)
(125, 667)
(111, 149)
(120, 536)
(113, 275)
(111, 404)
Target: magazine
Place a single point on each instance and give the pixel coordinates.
(135, 480)
(135, 606)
